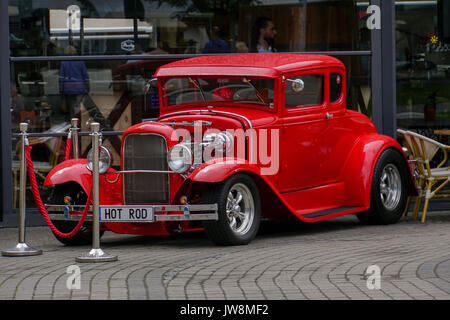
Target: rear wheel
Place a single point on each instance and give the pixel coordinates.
(389, 192)
(79, 197)
(239, 211)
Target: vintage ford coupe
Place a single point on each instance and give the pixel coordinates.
(240, 138)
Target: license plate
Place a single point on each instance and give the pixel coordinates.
(126, 214)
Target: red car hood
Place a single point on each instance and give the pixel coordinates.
(257, 117)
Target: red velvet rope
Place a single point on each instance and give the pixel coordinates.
(68, 145)
(40, 205)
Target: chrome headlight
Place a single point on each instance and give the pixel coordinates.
(222, 141)
(104, 158)
(179, 158)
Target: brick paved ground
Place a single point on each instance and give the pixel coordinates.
(326, 260)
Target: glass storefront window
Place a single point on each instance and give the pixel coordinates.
(423, 66)
(114, 27)
(359, 89)
(44, 93)
(47, 90)
(47, 93)
(111, 92)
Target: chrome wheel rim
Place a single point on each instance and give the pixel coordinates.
(390, 187)
(240, 208)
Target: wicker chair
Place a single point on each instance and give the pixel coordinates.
(431, 181)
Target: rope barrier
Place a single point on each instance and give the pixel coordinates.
(68, 145)
(40, 204)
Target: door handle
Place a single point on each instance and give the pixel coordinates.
(329, 115)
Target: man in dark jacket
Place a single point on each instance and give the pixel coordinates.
(216, 44)
(73, 83)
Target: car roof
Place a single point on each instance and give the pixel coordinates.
(257, 65)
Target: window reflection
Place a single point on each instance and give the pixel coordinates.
(45, 27)
(423, 66)
(46, 96)
(46, 93)
(114, 89)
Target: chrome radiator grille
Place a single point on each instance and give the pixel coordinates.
(145, 152)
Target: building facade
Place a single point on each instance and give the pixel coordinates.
(91, 59)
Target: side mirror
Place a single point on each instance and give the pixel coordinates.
(152, 83)
(297, 85)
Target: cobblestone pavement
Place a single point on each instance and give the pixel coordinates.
(326, 260)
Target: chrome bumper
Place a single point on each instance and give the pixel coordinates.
(192, 216)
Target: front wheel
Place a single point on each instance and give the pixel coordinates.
(389, 191)
(239, 211)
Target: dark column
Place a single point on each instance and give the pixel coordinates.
(384, 70)
(5, 113)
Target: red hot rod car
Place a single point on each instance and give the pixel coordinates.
(239, 138)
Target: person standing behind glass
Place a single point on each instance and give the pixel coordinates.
(73, 84)
(216, 44)
(263, 36)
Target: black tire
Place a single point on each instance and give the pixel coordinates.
(79, 197)
(385, 209)
(221, 232)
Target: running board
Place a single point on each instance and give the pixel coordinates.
(330, 211)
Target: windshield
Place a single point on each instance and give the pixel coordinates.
(198, 90)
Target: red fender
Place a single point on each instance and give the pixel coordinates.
(75, 170)
(217, 170)
(357, 171)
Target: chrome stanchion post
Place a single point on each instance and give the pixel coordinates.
(74, 130)
(96, 254)
(22, 249)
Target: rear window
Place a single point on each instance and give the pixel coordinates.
(335, 87)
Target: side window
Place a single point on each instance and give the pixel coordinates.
(335, 87)
(304, 91)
